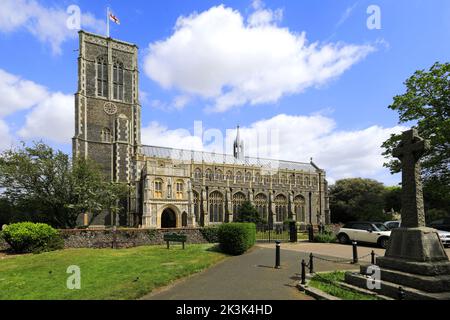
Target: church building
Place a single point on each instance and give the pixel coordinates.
(176, 188)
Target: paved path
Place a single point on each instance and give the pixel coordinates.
(247, 277)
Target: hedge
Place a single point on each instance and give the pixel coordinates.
(26, 237)
(210, 234)
(236, 238)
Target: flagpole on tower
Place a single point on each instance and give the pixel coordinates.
(107, 22)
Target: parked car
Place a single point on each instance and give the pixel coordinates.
(441, 224)
(443, 235)
(392, 224)
(367, 232)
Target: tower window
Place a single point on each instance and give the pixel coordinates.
(106, 135)
(102, 77)
(118, 81)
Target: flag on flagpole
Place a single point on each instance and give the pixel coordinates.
(113, 18)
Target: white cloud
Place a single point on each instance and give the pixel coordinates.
(156, 134)
(219, 57)
(6, 140)
(342, 153)
(49, 25)
(51, 119)
(18, 94)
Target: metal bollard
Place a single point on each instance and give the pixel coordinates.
(373, 257)
(311, 263)
(277, 255)
(401, 293)
(355, 251)
(303, 271)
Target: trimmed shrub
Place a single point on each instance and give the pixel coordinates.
(211, 234)
(325, 237)
(26, 237)
(236, 238)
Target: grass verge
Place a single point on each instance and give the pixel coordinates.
(327, 282)
(105, 273)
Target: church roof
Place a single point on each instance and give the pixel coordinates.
(219, 158)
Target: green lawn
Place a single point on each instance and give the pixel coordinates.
(327, 282)
(105, 273)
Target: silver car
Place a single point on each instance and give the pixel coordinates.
(443, 235)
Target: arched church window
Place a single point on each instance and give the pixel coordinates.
(219, 174)
(229, 175)
(216, 206)
(299, 180)
(118, 80)
(197, 174)
(158, 188)
(261, 205)
(208, 174)
(292, 179)
(248, 177)
(179, 190)
(257, 178)
(299, 208)
(102, 77)
(237, 202)
(280, 208)
(307, 181)
(106, 135)
(239, 176)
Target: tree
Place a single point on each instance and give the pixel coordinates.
(43, 185)
(40, 176)
(427, 103)
(86, 190)
(358, 199)
(393, 198)
(113, 195)
(248, 213)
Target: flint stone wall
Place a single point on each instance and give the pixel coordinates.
(125, 238)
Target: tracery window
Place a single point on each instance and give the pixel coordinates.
(208, 174)
(237, 201)
(229, 175)
(261, 205)
(219, 174)
(216, 206)
(299, 208)
(280, 208)
(197, 174)
(239, 176)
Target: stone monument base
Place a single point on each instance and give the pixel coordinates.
(416, 261)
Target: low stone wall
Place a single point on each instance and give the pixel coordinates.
(124, 238)
(3, 244)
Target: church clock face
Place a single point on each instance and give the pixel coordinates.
(110, 108)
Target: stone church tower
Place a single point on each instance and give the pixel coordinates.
(107, 109)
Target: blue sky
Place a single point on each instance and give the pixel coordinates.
(329, 107)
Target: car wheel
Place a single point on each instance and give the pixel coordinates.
(343, 238)
(383, 242)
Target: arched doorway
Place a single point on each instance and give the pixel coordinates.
(168, 219)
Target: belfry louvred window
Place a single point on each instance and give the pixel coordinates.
(102, 77)
(118, 81)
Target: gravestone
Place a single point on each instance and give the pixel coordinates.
(415, 258)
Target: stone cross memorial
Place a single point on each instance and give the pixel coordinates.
(413, 241)
(415, 258)
(410, 149)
